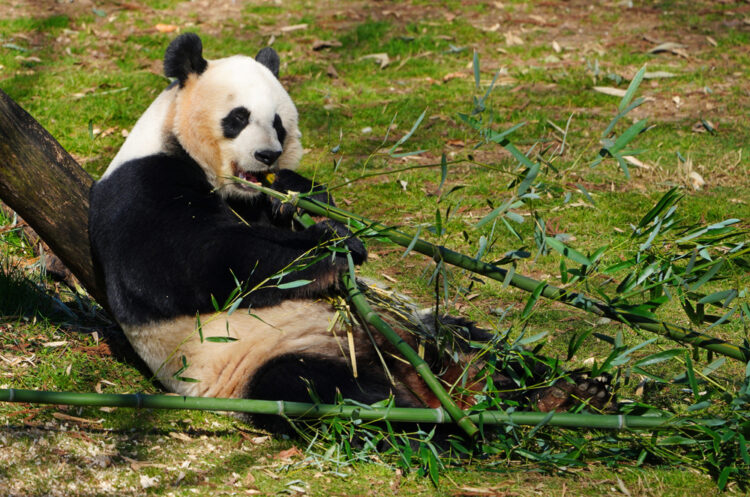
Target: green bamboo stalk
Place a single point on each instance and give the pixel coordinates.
(306, 410)
(578, 300)
(359, 301)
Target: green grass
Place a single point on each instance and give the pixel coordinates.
(77, 72)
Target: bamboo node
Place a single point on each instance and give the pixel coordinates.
(280, 407)
(138, 400)
(621, 422)
(11, 394)
(440, 415)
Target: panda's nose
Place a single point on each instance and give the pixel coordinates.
(267, 157)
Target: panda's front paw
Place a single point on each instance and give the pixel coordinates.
(282, 213)
(338, 231)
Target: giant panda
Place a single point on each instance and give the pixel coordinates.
(173, 234)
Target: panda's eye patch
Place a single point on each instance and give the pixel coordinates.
(234, 122)
(280, 130)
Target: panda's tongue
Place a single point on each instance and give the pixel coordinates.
(249, 177)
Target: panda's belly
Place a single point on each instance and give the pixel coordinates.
(222, 369)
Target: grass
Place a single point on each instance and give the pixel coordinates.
(87, 77)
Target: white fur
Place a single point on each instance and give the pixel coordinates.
(194, 113)
(223, 369)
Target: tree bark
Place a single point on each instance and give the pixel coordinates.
(47, 188)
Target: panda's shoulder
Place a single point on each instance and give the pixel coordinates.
(158, 173)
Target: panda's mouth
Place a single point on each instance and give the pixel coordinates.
(256, 177)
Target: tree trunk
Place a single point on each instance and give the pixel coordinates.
(47, 188)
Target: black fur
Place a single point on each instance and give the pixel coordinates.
(184, 56)
(292, 377)
(234, 122)
(269, 58)
(280, 130)
(166, 242)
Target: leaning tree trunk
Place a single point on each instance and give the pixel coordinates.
(48, 189)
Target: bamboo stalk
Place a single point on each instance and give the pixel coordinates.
(359, 301)
(574, 299)
(306, 410)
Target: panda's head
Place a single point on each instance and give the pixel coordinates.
(231, 115)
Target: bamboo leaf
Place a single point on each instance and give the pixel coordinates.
(568, 252)
(585, 193)
(532, 300)
(707, 276)
(443, 172)
(293, 284)
(234, 306)
(476, 69)
(410, 133)
(632, 88)
(717, 296)
(627, 136)
(221, 339)
(531, 175)
(413, 242)
(658, 357)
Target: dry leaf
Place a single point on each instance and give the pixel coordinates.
(166, 28)
(380, 58)
(608, 90)
(677, 100)
(332, 72)
(295, 27)
(658, 74)
(712, 41)
(696, 180)
(180, 436)
(453, 75)
(289, 453)
(148, 482)
(671, 47)
(512, 39)
(66, 417)
(55, 344)
(556, 46)
(636, 162)
(492, 28)
(321, 44)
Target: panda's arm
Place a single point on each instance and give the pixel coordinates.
(168, 245)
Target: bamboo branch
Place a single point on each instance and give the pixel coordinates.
(306, 410)
(574, 299)
(423, 369)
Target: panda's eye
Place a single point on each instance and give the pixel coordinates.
(234, 122)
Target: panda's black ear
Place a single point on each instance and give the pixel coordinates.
(269, 58)
(184, 56)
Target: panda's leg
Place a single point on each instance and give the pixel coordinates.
(575, 388)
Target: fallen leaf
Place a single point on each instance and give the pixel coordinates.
(380, 58)
(512, 39)
(81, 421)
(492, 28)
(166, 28)
(331, 72)
(180, 436)
(556, 47)
(321, 44)
(658, 74)
(148, 481)
(636, 162)
(294, 27)
(608, 90)
(453, 75)
(289, 453)
(671, 47)
(712, 41)
(696, 180)
(55, 344)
